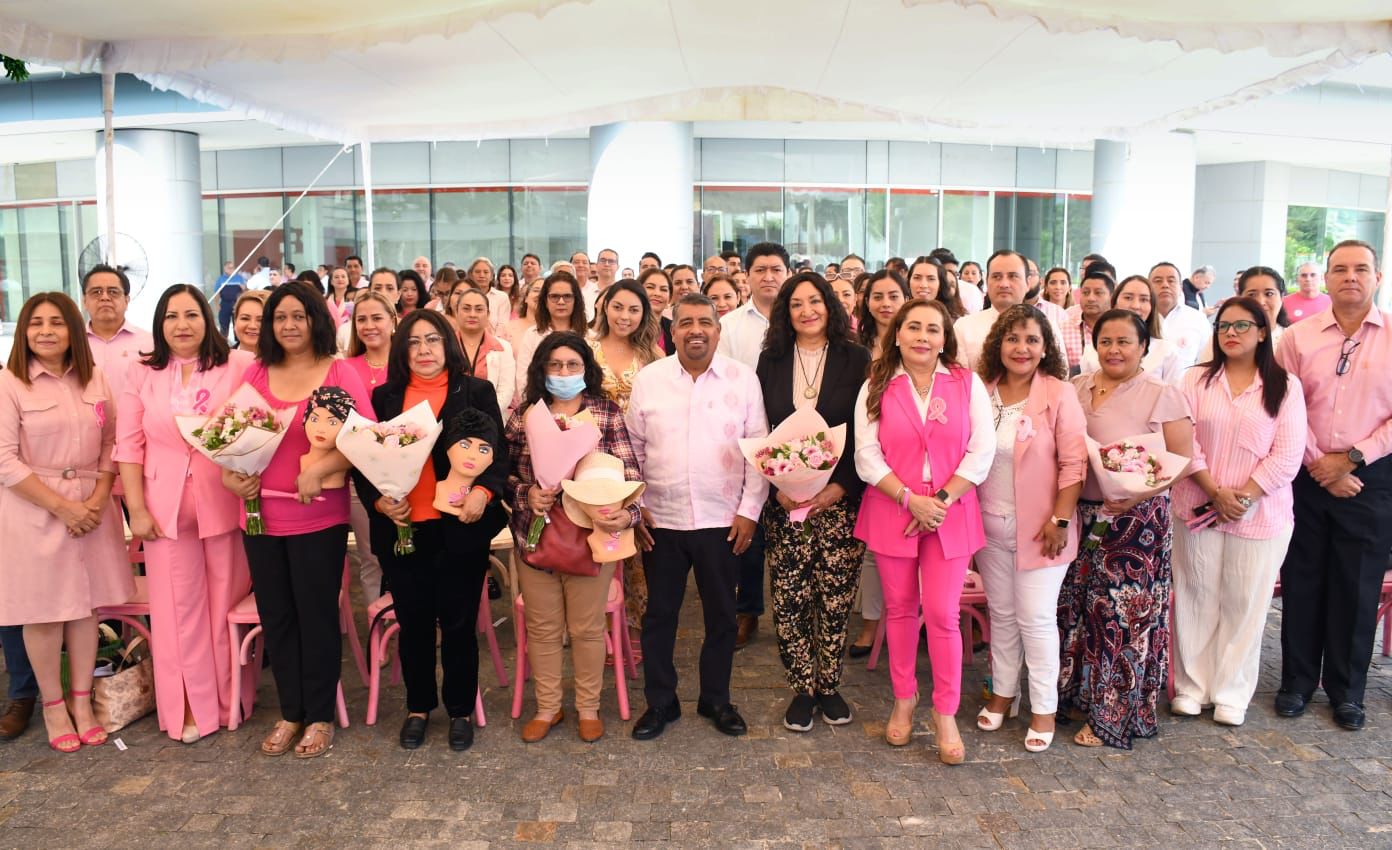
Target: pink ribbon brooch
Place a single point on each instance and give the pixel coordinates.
(99, 410)
(1024, 429)
(937, 410)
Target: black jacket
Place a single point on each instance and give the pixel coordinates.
(464, 392)
(847, 365)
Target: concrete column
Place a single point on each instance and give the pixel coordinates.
(1240, 211)
(158, 210)
(1143, 201)
(641, 190)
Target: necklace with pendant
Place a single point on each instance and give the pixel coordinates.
(811, 391)
(374, 371)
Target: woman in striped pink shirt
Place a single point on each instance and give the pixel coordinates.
(1249, 436)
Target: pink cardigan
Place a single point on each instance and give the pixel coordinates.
(147, 434)
(1051, 457)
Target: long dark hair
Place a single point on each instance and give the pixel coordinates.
(321, 325)
(536, 370)
(399, 360)
(211, 352)
(79, 354)
(410, 277)
(577, 313)
(780, 337)
(866, 328)
(1266, 271)
(1274, 380)
(882, 369)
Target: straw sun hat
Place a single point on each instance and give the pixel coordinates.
(599, 480)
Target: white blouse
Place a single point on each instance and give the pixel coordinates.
(1162, 360)
(869, 458)
(997, 492)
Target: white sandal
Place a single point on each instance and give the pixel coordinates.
(990, 721)
(1037, 741)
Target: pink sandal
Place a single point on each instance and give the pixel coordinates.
(68, 743)
(96, 736)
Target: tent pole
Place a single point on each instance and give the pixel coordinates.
(367, 205)
(109, 143)
(1384, 297)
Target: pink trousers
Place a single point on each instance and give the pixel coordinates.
(934, 582)
(193, 584)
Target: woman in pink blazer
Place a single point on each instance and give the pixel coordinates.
(1028, 502)
(196, 568)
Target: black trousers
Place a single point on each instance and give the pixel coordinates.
(437, 586)
(717, 570)
(297, 580)
(1330, 584)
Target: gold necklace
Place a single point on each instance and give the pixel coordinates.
(811, 391)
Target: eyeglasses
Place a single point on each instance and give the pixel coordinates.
(607, 261)
(1345, 352)
(114, 293)
(1242, 326)
(564, 367)
(851, 275)
(431, 340)
(560, 297)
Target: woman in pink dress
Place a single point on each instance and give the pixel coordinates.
(369, 346)
(297, 564)
(339, 299)
(57, 428)
(194, 563)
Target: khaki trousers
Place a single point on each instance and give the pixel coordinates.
(557, 604)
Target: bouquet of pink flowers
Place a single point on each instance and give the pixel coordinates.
(798, 457)
(242, 436)
(391, 455)
(1134, 468)
(557, 444)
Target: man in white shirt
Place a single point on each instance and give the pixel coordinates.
(354, 264)
(262, 278)
(422, 268)
(1007, 283)
(714, 265)
(1186, 329)
(531, 269)
(588, 288)
(685, 418)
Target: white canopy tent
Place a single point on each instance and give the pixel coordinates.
(1020, 71)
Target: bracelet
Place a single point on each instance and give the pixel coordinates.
(904, 494)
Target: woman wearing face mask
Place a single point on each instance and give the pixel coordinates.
(565, 378)
(560, 307)
(438, 585)
(195, 565)
(485, 355)
(1249, 440)
(1137, 295)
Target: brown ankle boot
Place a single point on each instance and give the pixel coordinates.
(16, 718)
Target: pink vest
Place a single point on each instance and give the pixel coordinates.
(904, 438)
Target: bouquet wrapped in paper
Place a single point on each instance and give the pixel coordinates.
(557, 443)
(242, 436)
(798, 457)
(391, 455)
(1134, 468)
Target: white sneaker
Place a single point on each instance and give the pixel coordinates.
(1185, 706)
(1229, 716)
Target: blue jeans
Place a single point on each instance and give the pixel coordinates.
(23, 685)
(750, 596)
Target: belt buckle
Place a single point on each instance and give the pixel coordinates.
(69, 472)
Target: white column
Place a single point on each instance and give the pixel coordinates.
(370, 255)
(1240, 219)
(158, 206)
(1143, 201)
(641, 190)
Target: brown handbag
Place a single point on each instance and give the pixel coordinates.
(564, 547)
(127, 694)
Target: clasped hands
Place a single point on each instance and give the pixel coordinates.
(79, 518)
(1334, 472)
(928, 513)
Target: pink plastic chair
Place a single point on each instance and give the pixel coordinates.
(246, 642)
(1384, 614)
(972, 608)
(382, 625)
(133, 613)
(616, 643)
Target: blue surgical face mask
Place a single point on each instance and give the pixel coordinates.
(565, 387)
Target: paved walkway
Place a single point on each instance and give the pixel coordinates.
(1273, 783)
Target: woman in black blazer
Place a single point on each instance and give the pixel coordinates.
(441, 582)
(809, 360)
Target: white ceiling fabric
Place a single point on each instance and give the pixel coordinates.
(1011, 70)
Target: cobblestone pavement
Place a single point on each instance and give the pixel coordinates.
(1272, 783)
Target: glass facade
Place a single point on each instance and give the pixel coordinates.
(1312, 231)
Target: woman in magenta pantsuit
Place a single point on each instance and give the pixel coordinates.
(65, 556)
(195, 565)
(924, 440)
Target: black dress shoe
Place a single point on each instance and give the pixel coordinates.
(726, 718)
(461, 734)
(413, 731)
(1349, 715)
(858, 651)
(1290, 704)
(654, 721)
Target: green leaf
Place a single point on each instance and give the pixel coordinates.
(15, 69)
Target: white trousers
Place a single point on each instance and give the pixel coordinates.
(360, 557)
(1222, 592)
(871, 595)
(1024, 617)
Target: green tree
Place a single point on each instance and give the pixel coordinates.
(15, 69)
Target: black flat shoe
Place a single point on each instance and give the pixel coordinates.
(654, 722)
(413, 731)
(461, 734)
(1290, 704)
(1350, 716)
(726, 718)
(858, 651)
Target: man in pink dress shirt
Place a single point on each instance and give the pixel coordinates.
(1332, 575)
(115, 344)
(685, 419)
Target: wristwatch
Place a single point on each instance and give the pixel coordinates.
(1356, 458)
(1059, 521)
(943, 496)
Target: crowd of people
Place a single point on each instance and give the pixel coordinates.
(972, 393)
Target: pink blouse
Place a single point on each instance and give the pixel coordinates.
(1236, 439)
(284, 515)
(1138, 406)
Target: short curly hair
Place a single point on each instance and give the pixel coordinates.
(991, 368)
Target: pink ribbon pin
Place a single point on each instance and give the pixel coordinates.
(937, 411)
(1024, 429)
(99, 409)
(200, 401)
